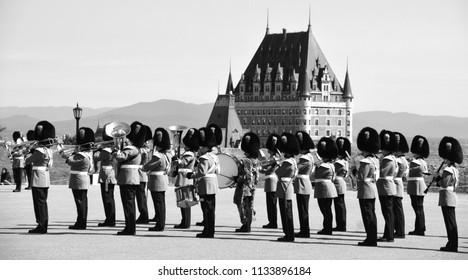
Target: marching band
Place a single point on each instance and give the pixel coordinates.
(137, 161)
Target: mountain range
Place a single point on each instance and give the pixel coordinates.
(164, 113)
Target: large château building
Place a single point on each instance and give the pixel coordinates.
(290, 86)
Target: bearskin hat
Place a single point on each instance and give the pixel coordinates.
(85, 137)
(388, 141)
(368, 140)
(344, 147)
(137, 134)
(191, 138)
(218, 133)
(251, 144)
(16, 135)
(450, 149)
(206, 137)
(305, 142)
(30, 135)
(44, 130)
(162, 139)
(420, 146)
(402, 145)
(272, 142)
(288, 144)
(326, 148)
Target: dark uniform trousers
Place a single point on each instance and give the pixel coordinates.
(272, 213)
(81, 202)
(159, 202)
(399, 216)
(417, 202)
(28, 168)
(451, 226)
(186, 216)
(142, 201)
(386, 205)
(247, 204)
(303, 212)
(127, 194)
(18, 176)
(208, 205)
(325, 205)
(340, 211)
(286, 212)
(369, 219)
(108, 202)
(40, 207)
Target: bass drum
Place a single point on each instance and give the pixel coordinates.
(229, 168)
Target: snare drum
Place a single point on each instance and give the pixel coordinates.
(229, 167)
(186, 196)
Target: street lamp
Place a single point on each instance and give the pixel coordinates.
(77, 114)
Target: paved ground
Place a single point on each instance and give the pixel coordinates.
(17, 217)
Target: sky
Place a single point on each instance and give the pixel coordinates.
(402, 56)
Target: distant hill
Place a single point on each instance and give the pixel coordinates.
(48, 113)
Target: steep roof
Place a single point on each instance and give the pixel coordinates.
(347, 93)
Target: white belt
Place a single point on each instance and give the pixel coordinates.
(271, 176)
(185, 170)
(285, 179)
(415, 179)
(157, 173)
(78, 172)
(40, 168)
(22, 157)
(130, 166)
(448, 189)
(323, 181)
(368, 180)
(107, 167)
(209, 175)
(398, 179)
(305, 176)
(386, 178)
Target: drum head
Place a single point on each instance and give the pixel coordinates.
(229, 168)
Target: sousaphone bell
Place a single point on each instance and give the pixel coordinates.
(118, 131)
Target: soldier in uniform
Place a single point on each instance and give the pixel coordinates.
(28, 167)
(207, 182)
(142, 201)
(416, 184)
(289, 146)
(302, 184)
(128, 177)
(81, 165)
(158, 180)
(325, 190)
(107, 179)
(369, 144)
(270, 182)
(402, 172)
(341, 170)
(452, 153)
(385, 184)
(248, 178)
(41, 160)
(18, 162)
(186, 165)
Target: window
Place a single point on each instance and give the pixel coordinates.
(290, 121)
(239, 112)
(328, 122)
(253, 121)
(290, 111)
(304, 111)
(316, 111)
(328, 133)
(263, 121)
(338, 133)
(282, 121)
(339, 112)
(269, 121)
(274, 122)
(297, 111)
(348, 112)
(339, 122)
(316, 122)
(245, 121)
(316, 132)
(253, 112)
(297, 121)
(325, 98)
(328, 111)
(258, 121)
(304, 122)
(348, 134)
(245, 112)
(283, 111)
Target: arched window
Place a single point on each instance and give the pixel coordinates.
(328, 122)
(339, 122)
(316, 122)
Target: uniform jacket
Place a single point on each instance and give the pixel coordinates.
(248, 176)
(388, 168)
(18, 160)
(80, 165)
(448, 185)
(157, 169)
(41, 160)
(324, 177)
(145, 157)
(341, 170)
(186, 164)
(302, 184)
(416, 184)
(128, 164)
(286, 173)
(271, 180)
(205, 173)
(366, 187)
(108, 163)
(402, 171)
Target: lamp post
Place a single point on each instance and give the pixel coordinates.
(77, 114)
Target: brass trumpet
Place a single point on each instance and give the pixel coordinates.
(273, 160)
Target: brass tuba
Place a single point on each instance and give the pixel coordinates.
(176, 131)
(118, 131)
